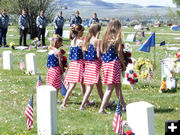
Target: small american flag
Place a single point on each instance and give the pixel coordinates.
(22, 64)
(117, 121)
(29, 114)
(39, 81)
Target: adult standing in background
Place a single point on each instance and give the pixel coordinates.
(41, 25)
(94, 19)
(58, 24)
(76, 19)
(23, 26)
(4, 19)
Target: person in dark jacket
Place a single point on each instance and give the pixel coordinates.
(94, 19)
(76, 19)
(41, 26)
(4, 19)
(58, 24)
(23, 26)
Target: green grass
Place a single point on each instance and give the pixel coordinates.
(16, 89)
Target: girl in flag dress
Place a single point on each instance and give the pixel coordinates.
(112, 62)
(75, 71)
(54, 65)
(92, 62)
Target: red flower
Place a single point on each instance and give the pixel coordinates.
(127, 54)
(127, 75)
(63, 52)
(134, 75)
(64, 58)
(129, 132)
(83, 38)
(129, 60)
(132, 81)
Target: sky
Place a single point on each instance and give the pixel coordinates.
(145, 2)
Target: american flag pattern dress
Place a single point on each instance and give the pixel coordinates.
(111, 67)
(92, 66)
(75, 71)
(54, 72)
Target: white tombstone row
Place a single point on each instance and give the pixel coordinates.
(46, 110)
(31, 63)
(140, 118)
(7, 60)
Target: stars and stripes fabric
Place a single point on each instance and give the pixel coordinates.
(21, 64)
(54, 77)
(39, 81)
(111, 72)
(92, 71)
(75, 71)
(117, 121)
(29, 114)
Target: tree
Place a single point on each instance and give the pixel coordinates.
(177, 2)
(32, 8)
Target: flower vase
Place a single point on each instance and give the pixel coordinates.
(30, 47)
(132, 86)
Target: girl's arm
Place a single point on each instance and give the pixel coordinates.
(121, 58)
(60, 62)
(98, 48)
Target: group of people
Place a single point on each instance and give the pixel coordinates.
(41, 24)
(87, 58)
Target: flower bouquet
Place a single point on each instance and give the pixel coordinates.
(131, 78)
(36, 43)
(64, 59)
(11, 45)
(127, 55)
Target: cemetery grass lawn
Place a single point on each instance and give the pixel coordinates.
(16, 89)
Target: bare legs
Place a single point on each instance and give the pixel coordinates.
(119, 94)
(69, 91)
(106, 97)
(86, 96)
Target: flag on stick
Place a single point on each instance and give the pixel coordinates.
(22, 64)
(39, 81)
(117, 121)
(162, 43)
(65, 86)
(29, 114)
(148, 43)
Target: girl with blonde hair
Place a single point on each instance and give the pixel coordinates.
(112, 62)
(54, 65)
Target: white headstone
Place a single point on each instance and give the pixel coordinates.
(66, 33)
(46, 110)
(7, 60)
(140, 118)
(47, 33)
(31, 63)
(131, 38)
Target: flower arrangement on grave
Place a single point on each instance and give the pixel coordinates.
(163, 85)
(143, 67)
(11, 45)
(127, 54)
(64, 59)
(178, 55)
(36, 43)
(131, 77)
(129, 131)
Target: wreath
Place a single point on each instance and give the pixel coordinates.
(143, 67)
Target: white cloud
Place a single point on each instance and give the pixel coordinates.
(85, 3)
(144, 2)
